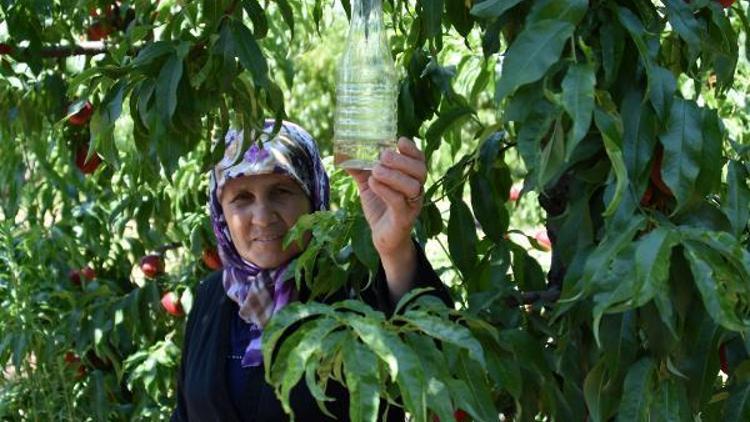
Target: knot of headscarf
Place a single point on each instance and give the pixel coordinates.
(260, 293)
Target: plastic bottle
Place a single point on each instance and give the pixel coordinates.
(366, 91)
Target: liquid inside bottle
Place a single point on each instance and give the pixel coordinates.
(366, 91)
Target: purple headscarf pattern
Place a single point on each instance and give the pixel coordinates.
(261, 293)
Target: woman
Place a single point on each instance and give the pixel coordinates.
(256, 194)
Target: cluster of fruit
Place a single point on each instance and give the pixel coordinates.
(152, 266)
(80, 119)
(108, 20)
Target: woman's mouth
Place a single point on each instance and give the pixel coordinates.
(270, 238)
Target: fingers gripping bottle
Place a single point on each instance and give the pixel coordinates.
(366, 91)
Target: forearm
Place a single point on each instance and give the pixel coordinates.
(400, 268)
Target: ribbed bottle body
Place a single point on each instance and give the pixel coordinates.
(366, 91)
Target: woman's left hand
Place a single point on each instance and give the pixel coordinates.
(392, 195)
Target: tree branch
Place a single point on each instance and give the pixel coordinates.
(84, 48)
(527, 298)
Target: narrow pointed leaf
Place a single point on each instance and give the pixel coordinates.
(683, 143)
(578, 102)
(637, 391)
(535, 50)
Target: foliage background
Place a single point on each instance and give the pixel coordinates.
(651, 295)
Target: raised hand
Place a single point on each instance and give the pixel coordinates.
(391, 195)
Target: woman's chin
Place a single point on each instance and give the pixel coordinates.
(268, 255)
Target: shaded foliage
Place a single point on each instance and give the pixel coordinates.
(616, 108)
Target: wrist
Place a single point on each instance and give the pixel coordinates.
(398, 252)
(400, 267)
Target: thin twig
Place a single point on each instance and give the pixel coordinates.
(174, 245)
(527, 298)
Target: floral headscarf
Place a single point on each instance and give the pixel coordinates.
(262, 292)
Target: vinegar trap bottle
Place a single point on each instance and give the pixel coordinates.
(366, 91)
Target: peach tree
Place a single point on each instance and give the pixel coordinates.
(622, 117)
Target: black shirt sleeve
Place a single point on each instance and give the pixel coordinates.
(180, 412)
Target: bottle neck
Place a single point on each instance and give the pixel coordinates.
(367, 13)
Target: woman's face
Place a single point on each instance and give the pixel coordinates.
(259, 210)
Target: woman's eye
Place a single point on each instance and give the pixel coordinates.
(241, 197)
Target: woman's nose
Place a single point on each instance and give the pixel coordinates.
(264, 213)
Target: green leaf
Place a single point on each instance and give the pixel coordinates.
(476, 381)
(712, 158)
(619, 342)
(571, 11)
(166, 88)
(410, 296)
(492, 8)
(446, 331)
(488, 204)
(737, 204)
(610, 126)
(258, 16)
(103, 123)
(613, 48)
(249, 53)
(532, 130)
(683, 144)
(527, 272)
(578, 102)
(282, 320)
(432, 13)
(151, 52)
(670, 402)
(112, 103)
(552, 159)
(680, 16)
(637, 391)
(446, 119)
(84, 76)
(712, 276)
(698, 359)
(634, 26)
(362, 244)
(661, 88)
(20, 345)
(639, 139)
(462, 237)
(294, 354)
(535, 50)
(286, 14)
(597, 263)
(615, 288)
(737, 407)
(457, 12)
(596, 391)
(403, 363)
(728, 246)
(431, 220)
(652, 261)
(529, 351)
(724, 42)
(439, 399)
(362, 381)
